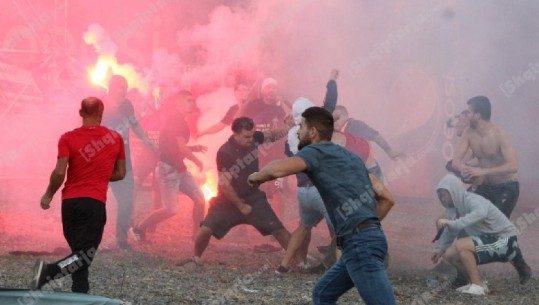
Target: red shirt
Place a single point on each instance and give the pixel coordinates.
(357, 145)
(92, 152)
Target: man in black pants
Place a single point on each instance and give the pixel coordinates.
(92, 155)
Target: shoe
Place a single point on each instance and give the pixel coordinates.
(197, 260)
(474, 289)
(462, 288)
(524, 274)
(281, 270)
(136, 235)
(304, 266)
(39, 279)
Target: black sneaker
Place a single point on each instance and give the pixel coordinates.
(524, 274)
(281, 270)
(39, 279)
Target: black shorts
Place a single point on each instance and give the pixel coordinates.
(223, 216)
(504, 196)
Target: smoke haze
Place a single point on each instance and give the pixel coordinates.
(405, 67)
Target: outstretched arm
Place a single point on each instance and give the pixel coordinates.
(142, 135)
(188, 153)
(277, 169)
(211, 130)
(274, 135)
(394, 155)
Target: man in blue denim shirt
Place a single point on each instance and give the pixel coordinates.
(355, 202)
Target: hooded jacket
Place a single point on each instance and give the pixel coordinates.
(472, 213)
(299, 106)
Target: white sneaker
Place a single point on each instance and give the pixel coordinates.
(474, 290)
(462, 288)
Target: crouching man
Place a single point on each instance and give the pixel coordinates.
(492, 237)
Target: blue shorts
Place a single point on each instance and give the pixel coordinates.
(311, 206)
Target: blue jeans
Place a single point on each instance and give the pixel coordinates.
(361, 265)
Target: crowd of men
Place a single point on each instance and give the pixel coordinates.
(338, 180)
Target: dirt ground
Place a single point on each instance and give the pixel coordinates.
(234, 274)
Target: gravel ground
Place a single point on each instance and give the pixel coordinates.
(234, 274)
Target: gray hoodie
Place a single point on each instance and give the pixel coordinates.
(477, 215)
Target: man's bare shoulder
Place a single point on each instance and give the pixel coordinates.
(500, 133)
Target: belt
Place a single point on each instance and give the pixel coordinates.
(365, 225)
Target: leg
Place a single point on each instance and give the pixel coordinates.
(508, 198)
(295, 243)
(334, 283)
(466, 252)
(222, 216)
(202, 240)
(153, 219)
(282, 236)
(169, 181)
(123, 192)
(363, 255)
(524, 271)
(452, 257)
(303, 250)
(83, 221)
(189, 186)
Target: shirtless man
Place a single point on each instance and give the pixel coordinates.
(495, 175)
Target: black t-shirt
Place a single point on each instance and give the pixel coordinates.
(173, 128)
(240, 162)
(229, 116)
(265, 116)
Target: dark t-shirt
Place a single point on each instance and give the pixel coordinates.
(121, 118)
(358, 128)
(343, 183)
(174, 127)
(240, 162)
(265, 116)
(230, 114)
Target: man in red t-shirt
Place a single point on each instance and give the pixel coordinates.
(92, 155)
